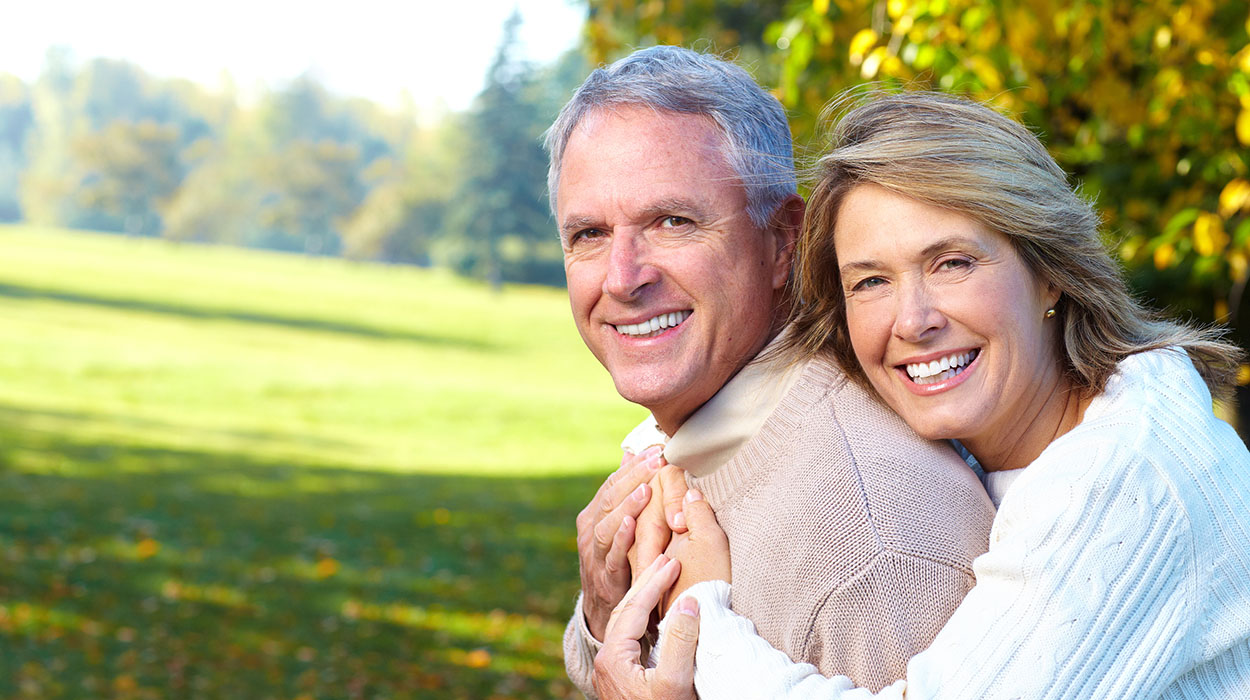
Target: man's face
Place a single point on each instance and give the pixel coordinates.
(672, 286)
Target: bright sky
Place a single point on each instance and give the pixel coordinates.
(437, 50)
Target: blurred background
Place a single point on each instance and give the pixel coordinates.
(291, 405)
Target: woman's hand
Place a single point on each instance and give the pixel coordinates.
(703, 549)
(618, 673)
(659, 520)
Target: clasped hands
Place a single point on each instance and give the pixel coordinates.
(642, 541)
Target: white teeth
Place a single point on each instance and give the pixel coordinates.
(940, 369)
(654, 325)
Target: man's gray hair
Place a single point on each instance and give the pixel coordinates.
(675, 79)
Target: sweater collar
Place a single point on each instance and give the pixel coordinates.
(714, 433)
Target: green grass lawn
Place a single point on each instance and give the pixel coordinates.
(231, 474)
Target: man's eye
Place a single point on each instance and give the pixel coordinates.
(674, 221)
(584, 235)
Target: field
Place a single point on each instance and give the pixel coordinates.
(231, 474)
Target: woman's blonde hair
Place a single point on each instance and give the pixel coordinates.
(962, 156)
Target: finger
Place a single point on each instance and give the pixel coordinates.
(699, 516)
(651, 535)
(673, 484)
(629, 619)
(605, 532)
(635, 469)
(674, 673)
(616, 566)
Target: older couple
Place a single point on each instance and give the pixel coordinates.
(951, 315)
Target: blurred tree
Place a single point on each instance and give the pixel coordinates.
(128, 171)
(499, 212)
(107, 145)
(16, 118)
(310, 188)
(406, 209)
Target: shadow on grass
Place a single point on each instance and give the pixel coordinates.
(136, 571)
(187, 311)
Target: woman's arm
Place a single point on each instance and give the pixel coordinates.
(1087, 591)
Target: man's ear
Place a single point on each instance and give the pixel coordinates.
(786, 222)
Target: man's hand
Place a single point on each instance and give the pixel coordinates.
(618, 673)
(605, 532)
(703, 550)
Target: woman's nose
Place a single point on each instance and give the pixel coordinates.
(917, 317)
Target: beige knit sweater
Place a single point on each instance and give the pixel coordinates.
(852, 539)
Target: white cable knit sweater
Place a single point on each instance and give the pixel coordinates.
(1119, 567)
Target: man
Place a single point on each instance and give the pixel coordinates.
(673, 186)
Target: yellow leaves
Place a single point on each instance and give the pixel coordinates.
(1237, 265)
(478, 658)
(1209, 236)
(1234, 197)
(1243, 127)
(896, 8)
(1221, 309)
(327, 567)
(820, 7)
(873, 62)
(1243, 375)
(1242, 58)
(1164, 255)
(147, 548)
(1163, 38)
(442, 516)
(863, 40)
(986, 72)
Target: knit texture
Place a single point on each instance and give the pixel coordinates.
(851, 538)
(1119, 567)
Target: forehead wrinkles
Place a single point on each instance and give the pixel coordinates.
(614, 156)
(646, 127)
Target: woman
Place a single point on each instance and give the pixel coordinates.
(949, 267)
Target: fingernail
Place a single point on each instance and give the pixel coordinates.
(693, 495)
(679, 520)
(654, 463)
(688, 606)
(627, 522)
(652, 451)
(661, 560)
(640, 493)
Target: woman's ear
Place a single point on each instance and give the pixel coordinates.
(1052, 296)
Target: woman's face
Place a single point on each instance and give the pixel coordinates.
(945, 318)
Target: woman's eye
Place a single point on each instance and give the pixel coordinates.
(954, 264)
(867, 283)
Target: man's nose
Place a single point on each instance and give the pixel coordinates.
(630, 267)
(916, 317)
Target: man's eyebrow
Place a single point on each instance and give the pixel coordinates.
(574, 224)
(675, 206)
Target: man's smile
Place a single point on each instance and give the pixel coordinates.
(654, 325)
